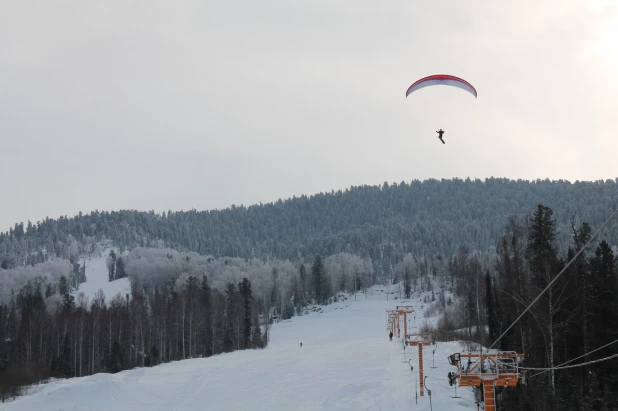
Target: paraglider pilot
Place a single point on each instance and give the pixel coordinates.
(440, 132)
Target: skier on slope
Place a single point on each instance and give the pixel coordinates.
(390, 336)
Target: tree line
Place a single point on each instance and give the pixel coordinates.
(175, 311)
(78, 337)
(382, 222)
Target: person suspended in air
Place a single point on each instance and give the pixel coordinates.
(440, 132)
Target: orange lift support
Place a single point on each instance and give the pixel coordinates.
(404, 310)
(420, 340)
(489, 370)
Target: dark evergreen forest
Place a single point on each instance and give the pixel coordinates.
(381, 222)
(575, 319)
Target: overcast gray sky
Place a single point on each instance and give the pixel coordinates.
(157, 105)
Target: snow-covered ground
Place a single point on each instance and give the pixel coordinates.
(97, 277)
(346, 363)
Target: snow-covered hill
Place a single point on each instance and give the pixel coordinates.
(346, 362)
(97, 278)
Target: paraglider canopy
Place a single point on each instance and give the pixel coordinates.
(441, 79)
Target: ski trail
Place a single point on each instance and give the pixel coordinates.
(346, 363)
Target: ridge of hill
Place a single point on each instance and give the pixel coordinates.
(381, 222)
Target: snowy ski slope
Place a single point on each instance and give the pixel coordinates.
(97, 278)
(346, 363)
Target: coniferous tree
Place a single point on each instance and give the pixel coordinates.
(543, 261)
(63, 286)
(325, 283)
(244, 288)
(303, 280)
(115, 361)
(257, 340)
(541, 250)
(407, 289)
(490, 306)
(297, 294)
(318, 275)
(120, 271)
(112, 265)
(64, 362)
(49, 290)
(605, 318)
(582, 284)
(208, 315)
(64, 289)
(230, 317)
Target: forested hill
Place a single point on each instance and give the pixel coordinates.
(383, 222)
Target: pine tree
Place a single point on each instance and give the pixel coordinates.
(244, 289)
(64, 362)
(68, 302)
(82, 273)
(303, 280)
(543, 260)
(273, 293)
(120, 271)
(326, 286)
(208, 314)
(604, 321)
(257, 341)
(4, 350)
(318, 275)
(63, 285)
(582, 288)
(112, 266)
(230, 317)
(115, 360)
(490, 305)
(407, 289)
(541, 251)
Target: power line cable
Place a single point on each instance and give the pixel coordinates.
(570, 366)
(581, 356)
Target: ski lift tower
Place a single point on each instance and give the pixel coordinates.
(420, 340)
(404, 310)
(486, 370)
(393, 320)
(395, 323)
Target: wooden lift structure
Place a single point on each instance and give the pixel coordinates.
(420, 340)
(486, 371)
